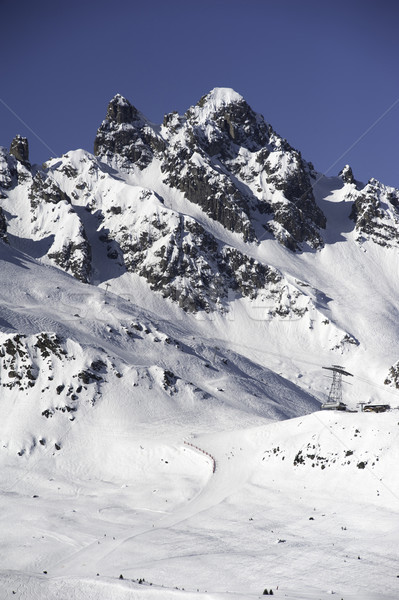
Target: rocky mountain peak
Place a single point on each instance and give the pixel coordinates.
(346, 175)
(20, 149)
(219, 98)
(224, 157)
(225, 110)
(126, 137)
(121, 111)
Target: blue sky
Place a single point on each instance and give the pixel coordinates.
(323, 73)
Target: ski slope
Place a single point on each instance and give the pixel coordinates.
(260, 521)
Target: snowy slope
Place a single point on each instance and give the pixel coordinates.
(306, 507)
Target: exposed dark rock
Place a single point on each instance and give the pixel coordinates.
(46, 189)
(98, 365)
(121, 111)
(238, 122)
(8, 171)
(69, 171)
(213, 191)
(226, 149)
(126, 135)
(169, 381)
(75, 257)
(3, 226)
(346, 175)
(92, 374)
(392, 378)
(49, 344)
(20, 149)
(191, 267)
(376, 214)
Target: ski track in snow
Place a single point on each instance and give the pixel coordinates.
(210, 495)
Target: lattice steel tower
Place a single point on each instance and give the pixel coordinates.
(335, 394)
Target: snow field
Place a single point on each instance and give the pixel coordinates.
(259, 521)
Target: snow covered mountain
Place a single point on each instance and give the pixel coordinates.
(185, 284)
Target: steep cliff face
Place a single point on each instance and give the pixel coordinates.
(14, 170)
(54, 218)
(125, 135)
(7, 164)
(179, 258)
(227, 159)
(20, 149)
(376, 214)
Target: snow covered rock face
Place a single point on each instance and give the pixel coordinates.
(214, 192)
(14, 165)
(346, 175)
(223, 157)
(5, 172)
(12, 172)
(45, 380)
(392, 378)
(173, 252)
(296, 219)
(376, 214)
(176, 255)
(53, 217)
(179, 258)
(126, 135)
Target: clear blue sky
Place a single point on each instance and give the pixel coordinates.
(322, 72)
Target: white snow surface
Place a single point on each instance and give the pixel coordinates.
(216, 100)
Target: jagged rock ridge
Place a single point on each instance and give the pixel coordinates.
(214, 154)
(220, 160)
(127, 134)
(376, 214)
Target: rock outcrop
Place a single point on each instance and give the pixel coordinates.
(375, 212)
(20, 149)
(54, 218)
(3, 226)
(125, 135)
